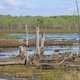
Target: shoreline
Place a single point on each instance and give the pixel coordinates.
(16, 43)
(7, 49)
(42, 30)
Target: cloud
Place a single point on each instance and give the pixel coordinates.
(37, 7)
(11, 2)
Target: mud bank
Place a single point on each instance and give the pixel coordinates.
(15, 43)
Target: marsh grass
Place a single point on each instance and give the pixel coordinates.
(52, 74)
(6, 36)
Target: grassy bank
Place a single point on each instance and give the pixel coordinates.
(24, 71)
(52, 74)
(47, 30)
(6, 36)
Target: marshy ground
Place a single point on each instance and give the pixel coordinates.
(51, 74)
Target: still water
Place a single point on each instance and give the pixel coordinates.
(48, 49)
(49, 36)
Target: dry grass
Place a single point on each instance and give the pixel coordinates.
(53, 74)
(73, 75)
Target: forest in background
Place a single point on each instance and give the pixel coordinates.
(49, 24)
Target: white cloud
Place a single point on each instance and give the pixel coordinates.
(11, 2)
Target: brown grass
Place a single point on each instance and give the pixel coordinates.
(53, 74)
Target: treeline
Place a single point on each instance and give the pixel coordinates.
(54, 23)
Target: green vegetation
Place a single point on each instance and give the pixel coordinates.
(6, 36)
(52, 24)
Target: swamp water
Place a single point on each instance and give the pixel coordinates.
(48, 36)
(47, 49)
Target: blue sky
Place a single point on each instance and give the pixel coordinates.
(37, 7)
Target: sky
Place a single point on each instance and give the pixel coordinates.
(38, 7)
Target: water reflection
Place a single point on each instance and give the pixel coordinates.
(6, 54)
(52, 36)
(47, 50)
